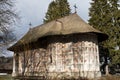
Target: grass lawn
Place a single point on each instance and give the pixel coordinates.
(111, 77)
(6, 77)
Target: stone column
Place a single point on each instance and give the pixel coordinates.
(14, 73)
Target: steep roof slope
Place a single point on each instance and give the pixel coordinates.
(67, 25)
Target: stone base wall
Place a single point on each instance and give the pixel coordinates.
(88, 74)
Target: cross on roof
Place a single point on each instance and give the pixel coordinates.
(30, 24)
(75, 8)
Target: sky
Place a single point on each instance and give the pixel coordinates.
(33, 11)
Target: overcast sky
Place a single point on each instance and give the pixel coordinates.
(34, 11)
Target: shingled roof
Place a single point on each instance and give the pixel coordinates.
(67, 25)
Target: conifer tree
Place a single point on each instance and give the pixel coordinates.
(104, 15)
(64, 9)
(57, 9)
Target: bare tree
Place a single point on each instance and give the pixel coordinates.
(8, 17)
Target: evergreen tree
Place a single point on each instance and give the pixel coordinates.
(57, 9)
(64, 9)
(52, 12)
(104, 15)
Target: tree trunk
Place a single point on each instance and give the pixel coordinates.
(106, 70)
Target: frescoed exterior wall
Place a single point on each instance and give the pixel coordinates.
(72, 55)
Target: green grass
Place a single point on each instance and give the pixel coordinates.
(111, 77)
(6, 77)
